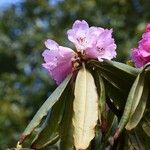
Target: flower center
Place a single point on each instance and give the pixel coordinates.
(81, 40)
(78, 59)
(100, 49)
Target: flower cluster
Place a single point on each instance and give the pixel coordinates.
(141, 54)
(90, 42)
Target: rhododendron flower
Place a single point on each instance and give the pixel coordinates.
(90, 42)
(58, 60)
(94, 42)
(141, 55)
(148, 28)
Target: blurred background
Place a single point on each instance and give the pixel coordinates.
(26, 24)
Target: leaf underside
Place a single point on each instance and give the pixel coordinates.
(85, 109)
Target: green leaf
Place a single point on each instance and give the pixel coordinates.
(116, 72)
(129, 103)
(102, 100)
(119, 75)
(146, 126)
(139, 139)
(54, 97)
(66, 127)
(136, 141)
(101, 93)
(140, 100)
(139, 111)
(120, 67)
(123, 67)
(49, 132)
(146, 123)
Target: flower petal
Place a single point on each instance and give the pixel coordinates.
(50, 44)
(141, 55)
(148, 27)
(80, 24)
(137, 58)
(80, 35)
(104, 48)
(58, 61)
(60, 72)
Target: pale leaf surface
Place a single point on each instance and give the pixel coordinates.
(85, 109)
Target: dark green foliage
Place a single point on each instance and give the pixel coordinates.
(119, 77)
(43, 111)
(114, 121)
(66, 127)
(135, 108)
(49, 131)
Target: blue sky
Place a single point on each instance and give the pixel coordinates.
(7, 3)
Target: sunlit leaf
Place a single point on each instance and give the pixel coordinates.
(85, 109)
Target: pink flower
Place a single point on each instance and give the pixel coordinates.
(137, 58)
(141, 55)
(104, 48)
(148, 27)
(94, 42)
(80, 35)
(90, 42)
(58, 60)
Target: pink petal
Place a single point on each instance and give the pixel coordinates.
(104, 48)
(141, 55)
(137, 58)
(80, 35)
(50, 44)
(148, 27)
(50, 55)
(145, 44)
(80, 24)
(96, 30)
(60, 72)
(58, 61)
